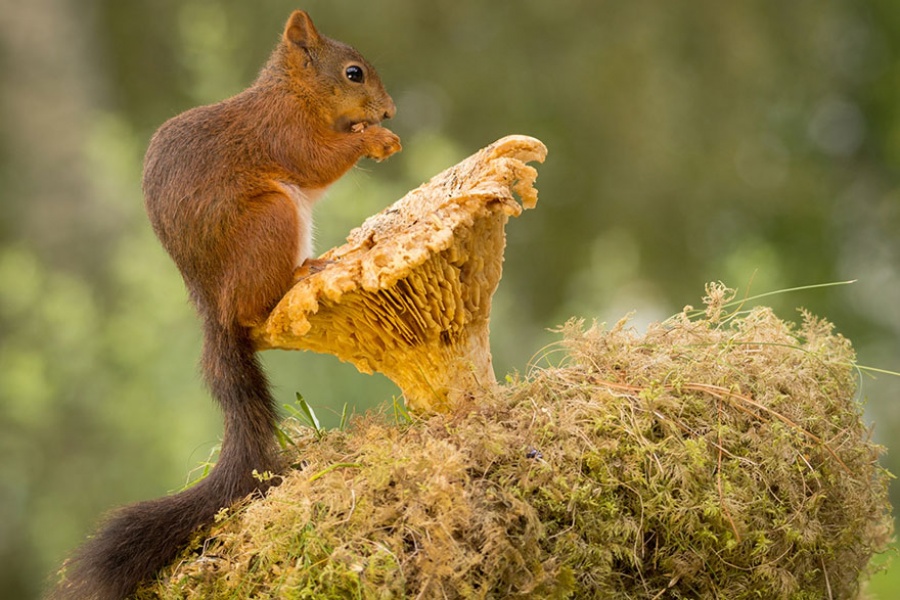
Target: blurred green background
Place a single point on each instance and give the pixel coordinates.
(756, 143)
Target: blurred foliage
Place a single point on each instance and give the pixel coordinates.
(756, 143)
(886, 580)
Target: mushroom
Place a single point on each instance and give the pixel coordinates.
(409, 294)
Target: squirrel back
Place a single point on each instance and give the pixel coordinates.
(229, 190)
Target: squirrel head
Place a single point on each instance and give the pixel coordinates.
(341, 85)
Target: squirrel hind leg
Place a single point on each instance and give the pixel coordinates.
(262, 268)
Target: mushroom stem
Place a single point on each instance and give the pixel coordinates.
(409, 294)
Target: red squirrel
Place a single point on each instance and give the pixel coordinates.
(229, 190)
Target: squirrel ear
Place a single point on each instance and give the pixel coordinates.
(300, 30)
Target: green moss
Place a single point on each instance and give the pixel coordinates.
(717, 458)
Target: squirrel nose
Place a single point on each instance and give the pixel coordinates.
(390, 110)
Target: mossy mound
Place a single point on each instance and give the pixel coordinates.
(713, 457)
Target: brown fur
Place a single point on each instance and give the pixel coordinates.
(218, 186)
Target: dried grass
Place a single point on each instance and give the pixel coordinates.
(715, 457)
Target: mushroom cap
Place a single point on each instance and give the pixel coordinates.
(409, 294)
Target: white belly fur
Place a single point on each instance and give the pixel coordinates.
(304, 199)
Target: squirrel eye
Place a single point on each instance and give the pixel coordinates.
(355, 73)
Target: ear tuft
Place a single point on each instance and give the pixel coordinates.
(300, 30)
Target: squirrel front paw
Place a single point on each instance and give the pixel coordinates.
(381, 142)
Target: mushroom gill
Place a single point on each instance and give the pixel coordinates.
(409, 294)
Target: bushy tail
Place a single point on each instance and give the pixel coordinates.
(138, 540)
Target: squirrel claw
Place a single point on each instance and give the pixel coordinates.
(310, 267)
